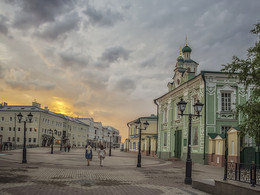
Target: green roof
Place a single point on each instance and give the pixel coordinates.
(186, 49)
(212, 135)
(180, 59)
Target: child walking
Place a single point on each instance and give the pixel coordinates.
(88, 153)
(101, 154)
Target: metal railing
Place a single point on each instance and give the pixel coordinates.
(247, 173)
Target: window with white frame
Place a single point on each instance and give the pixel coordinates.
(226, 98)
(177, 112)
(134, 145)
(165, 115)
(195, 138)
(225, 101)
(165, 139)
(193, 101)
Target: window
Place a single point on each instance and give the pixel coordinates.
(177, 112)
(11, 118)
(30, 129)
(34, 140)
(30, 140)
(13, 139)
(194, 101)
(195, 136)
(226, 101)
(18, 139)
(14, 128)
(224, 129)
(3, 118)
(165, 113)
(165, 139)
(9, 139)
(2, 128)
(10, 128)
(134, 146)
(19, 129)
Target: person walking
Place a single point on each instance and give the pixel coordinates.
(88, 153)
(101, 154)
(69, 147)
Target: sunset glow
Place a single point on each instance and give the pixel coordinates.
(109, 60)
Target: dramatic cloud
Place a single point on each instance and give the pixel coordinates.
(3, 25)
(103, 17)
(61, 26)
(103, 59)
(35, 13)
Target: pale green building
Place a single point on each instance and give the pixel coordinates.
(217, 92)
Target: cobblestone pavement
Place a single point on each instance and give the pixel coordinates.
(67, 173)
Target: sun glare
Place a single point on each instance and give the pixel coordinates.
(61, 107)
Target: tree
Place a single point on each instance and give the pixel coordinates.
(248, 73)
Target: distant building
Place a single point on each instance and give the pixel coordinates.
(148, 136)
(66, 130)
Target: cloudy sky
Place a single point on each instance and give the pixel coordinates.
(109, 59)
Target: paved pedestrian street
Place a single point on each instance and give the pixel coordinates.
(68, 173)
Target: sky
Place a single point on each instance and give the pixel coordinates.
(109, 59)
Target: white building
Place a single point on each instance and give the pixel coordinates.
(65, 129)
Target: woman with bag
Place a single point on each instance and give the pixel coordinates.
(88, 153)
(101, 155)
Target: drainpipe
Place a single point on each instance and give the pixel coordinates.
(157, 126)
(205, 117)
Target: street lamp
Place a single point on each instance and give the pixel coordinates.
(138, 126)
(95, 140)
(109, 143)
(20, 116)
(198, 108)
(61, 140)
(51, 141)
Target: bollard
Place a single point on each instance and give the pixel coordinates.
(253, 174)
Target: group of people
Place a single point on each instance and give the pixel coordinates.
(89, 154)
(67, 147)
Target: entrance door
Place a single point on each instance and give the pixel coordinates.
(178, 143)
(247, 155)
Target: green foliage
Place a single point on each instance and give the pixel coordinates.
(248, 73)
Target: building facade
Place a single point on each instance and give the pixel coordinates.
(45, 124)
(148, 136)
(219, 94)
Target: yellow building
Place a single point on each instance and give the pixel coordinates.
(148, 136)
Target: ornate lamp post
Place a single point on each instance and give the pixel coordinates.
(20, 116)
(109, 143)
(138, 126)
(61, 140)
(51, 141)
(197, 107)
(95, 140)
